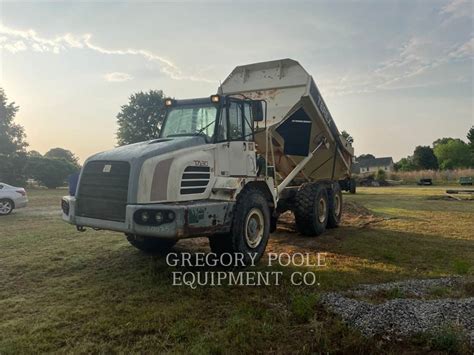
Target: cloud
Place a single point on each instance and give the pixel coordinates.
(117, 77)
(14, 40)
(455, 9)
(416, 56)
(14, 47)
(465, 50)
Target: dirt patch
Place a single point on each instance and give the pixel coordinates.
(356, 215)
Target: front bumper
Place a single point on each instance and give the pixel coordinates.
(198, 218)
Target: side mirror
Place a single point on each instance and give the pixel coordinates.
(257, 111)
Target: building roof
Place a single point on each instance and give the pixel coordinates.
(366, 163)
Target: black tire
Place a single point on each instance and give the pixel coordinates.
(273, 224)
(311, 209)
(151, 245)
(352, 186)
(335, 206)
(220, 243)
(250, 228)
(6, 206)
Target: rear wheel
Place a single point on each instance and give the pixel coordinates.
(352, 186)
(250, 228)
(335, 206)
(151, 245)
(6, 207)
(311, 209)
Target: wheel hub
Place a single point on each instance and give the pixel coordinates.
(254, 228)
(337, 205)
(5, 207)
(322, 210)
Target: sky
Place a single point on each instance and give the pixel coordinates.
(394, 74)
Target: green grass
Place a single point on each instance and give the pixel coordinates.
(65, 291)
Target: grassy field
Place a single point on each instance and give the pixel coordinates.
(65, 291)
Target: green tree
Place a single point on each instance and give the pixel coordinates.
(424, 158)
(50, 172)
(444, 141)
(365, 157)
(347, 137)
(12, 144)
(12, 136)
(33, 153)
(453, 154)
(12, 169)
(60, 153)
(405, 164)
(141, 118)
(470, 136)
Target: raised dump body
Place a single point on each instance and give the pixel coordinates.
(298, 120)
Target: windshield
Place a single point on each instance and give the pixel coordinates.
(190, 120)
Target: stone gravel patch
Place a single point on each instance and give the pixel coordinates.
(402, 316)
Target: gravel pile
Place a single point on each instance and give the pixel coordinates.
(413, 288)
(401, 316)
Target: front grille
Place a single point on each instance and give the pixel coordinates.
(103, 190)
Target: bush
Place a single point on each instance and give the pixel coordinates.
(12, 169)
(51, 173)
(381, 175)
(438, 176)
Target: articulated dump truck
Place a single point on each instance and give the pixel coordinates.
(224, 166)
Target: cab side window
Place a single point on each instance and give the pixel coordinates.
(236, 129)
(222, 128)
(248, 132)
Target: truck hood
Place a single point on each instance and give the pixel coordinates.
(138, 152)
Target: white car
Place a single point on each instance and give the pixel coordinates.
(11, 197)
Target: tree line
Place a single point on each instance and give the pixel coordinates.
(444, 154)
(17, 165)
(141, 119)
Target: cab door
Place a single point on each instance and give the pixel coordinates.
(241, 140)
(236, 155)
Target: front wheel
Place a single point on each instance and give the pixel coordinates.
(151, 245)
(250, 228)
(6, 207)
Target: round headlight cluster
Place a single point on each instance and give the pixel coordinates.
(153, 217)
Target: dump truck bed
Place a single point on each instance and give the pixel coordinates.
(298, 119)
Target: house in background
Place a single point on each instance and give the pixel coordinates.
(372, 165)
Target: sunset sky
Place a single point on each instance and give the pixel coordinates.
(395, 74)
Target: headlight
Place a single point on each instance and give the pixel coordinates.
(145, 216)
(159, 217)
